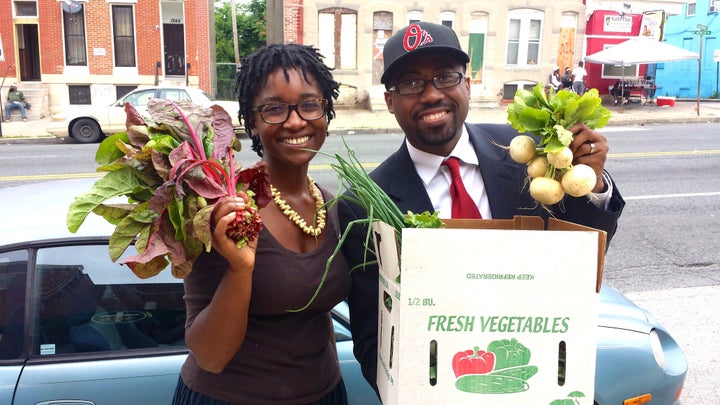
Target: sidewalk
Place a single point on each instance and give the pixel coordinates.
(353, 121)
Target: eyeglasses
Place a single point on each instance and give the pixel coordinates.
(277, 113)
(417, 86)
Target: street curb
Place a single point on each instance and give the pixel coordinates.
(618, 119)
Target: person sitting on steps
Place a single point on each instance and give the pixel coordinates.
(15, 101)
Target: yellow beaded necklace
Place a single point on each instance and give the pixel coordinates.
(296, 218)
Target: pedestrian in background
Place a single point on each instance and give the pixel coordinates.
(567, 79)
(579, 74)
(554, 79)
(15, 101)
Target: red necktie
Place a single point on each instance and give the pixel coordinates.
(463, 205)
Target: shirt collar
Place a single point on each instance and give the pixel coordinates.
(427, 164)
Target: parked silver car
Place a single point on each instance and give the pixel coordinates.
(89, 123)
(77, 328)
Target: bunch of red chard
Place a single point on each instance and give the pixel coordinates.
(172, 171)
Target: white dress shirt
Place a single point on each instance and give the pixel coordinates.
(437, 178)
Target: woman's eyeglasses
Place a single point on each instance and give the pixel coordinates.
(277, 113)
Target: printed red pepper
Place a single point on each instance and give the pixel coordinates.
(473, 361)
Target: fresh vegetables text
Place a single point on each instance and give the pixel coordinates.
(549, 161)
(172, 171)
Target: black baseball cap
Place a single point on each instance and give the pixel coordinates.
(417, 39)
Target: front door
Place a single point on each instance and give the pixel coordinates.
(174, 49)
(28, 52)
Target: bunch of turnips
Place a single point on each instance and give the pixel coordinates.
(549, 159)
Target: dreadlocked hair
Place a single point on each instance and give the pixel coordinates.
(254, 70)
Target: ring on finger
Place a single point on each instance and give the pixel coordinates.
(592, 148)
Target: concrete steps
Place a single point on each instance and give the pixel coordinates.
(36, 94)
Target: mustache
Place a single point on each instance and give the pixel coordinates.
(427, 107)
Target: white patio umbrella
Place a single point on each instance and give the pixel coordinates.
(641, 50)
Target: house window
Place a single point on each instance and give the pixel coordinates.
(74, 27)
(79, 94)
(524, 33)
(26, 9)
(414, 16)
(447, 18)
(510, 88)
(618, 71)
(123, 36)
(690, 11)
(338, 37)
(123, 90)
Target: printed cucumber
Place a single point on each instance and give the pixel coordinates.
(491, 384)
(521, 372)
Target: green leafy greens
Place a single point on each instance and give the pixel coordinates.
(550, 118)
(172, 171)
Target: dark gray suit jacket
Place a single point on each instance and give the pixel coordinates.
(508, 195)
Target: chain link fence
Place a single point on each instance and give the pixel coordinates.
(226, 81)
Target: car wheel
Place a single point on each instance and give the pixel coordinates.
(86, 130)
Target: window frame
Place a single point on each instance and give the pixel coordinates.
(79, 44)
(126, 37)
(527, 43)
(343, 55)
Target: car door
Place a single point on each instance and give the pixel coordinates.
(98, 334)
(13, 276)
(116, 113)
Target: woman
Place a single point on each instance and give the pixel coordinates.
(246, 346)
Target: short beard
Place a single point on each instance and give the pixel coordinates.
(437, 138)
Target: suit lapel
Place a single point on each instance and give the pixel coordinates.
(501, 178)
(405, 186)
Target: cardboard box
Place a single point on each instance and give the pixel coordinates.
(501, 315)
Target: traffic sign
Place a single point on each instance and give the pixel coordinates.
(705, 32)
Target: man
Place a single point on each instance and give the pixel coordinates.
(15, 101)
(579, 74)
(429, 94)
(567, 79)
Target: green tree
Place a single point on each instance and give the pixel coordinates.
(251, 27)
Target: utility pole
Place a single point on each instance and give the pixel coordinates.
(275, 22)
(701, 30)
(233, 13)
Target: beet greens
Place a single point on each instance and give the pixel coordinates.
(172, 170)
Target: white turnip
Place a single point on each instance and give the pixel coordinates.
(579, 180)
(522, 148)
(546, 190)
(562, 159)
(537, 167)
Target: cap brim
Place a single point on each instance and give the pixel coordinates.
(459, 55)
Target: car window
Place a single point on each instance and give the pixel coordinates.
(174, 94)
(13, 273)
(139, 98)
(87, 303)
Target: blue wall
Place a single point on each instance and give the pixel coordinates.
(680, 79)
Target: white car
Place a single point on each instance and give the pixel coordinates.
(89, 123)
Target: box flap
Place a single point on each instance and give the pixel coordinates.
(519, 222)
(555, 224)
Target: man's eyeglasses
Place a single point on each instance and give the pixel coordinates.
(417, 86)
(277, 113)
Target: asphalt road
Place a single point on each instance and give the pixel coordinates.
(665, 255)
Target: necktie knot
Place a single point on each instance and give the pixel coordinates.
(463, 205)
